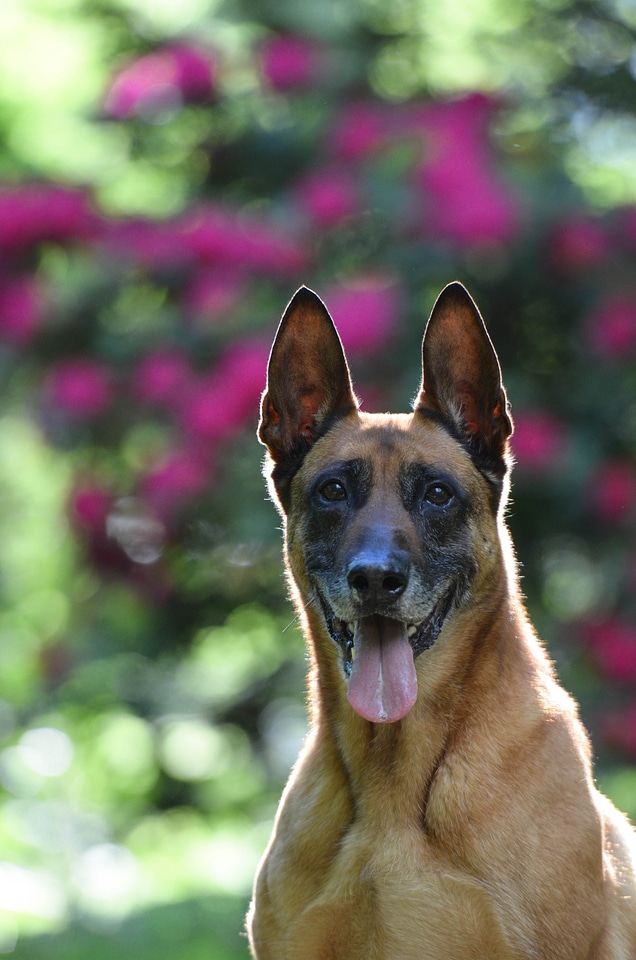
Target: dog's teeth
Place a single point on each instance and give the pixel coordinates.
(351, 627)
(411, 630)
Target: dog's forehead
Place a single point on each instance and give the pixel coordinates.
(391, 440)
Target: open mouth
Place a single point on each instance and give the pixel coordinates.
(379, 658)
(421, 636)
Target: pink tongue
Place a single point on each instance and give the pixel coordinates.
(383, 682)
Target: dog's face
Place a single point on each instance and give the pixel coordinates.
(391, 519)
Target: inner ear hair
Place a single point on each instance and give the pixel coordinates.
(307, 379)
(461, 376)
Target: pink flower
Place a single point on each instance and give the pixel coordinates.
(612, 328)
(211, 294)
(182, 475)
(220, 236)
(538, 441)
(578, 244)
(464, 200)
(360, 129)
(195, 70)
(89, 508)
(37, 213)
(21, 310)
(613, 492)
(328, 196)
(613, 646)
(211, 236)
(156, 245)
(161, 378)
(82, 388)
(160, 81)
(365, 313)
(290, 62)
(224, 401)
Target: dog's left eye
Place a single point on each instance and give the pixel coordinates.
(438, 494)
(333, 490)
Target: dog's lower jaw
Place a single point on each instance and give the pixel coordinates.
(378, 654)
(422, 636)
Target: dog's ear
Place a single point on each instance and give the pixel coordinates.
(307, 380)
(461, 377)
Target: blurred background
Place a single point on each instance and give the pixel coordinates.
(170, 172)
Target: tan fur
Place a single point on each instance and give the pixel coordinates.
(470, 829)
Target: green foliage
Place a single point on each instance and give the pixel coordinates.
(196, 929)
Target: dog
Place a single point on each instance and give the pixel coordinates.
(443, 805)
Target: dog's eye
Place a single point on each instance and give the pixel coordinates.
(438, 494)
(333, 490)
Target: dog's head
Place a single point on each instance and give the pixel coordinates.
(391, 519)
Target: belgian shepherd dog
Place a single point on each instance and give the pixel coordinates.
(443, 805)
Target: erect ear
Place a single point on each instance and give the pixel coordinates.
(307, 380)
(461, 377)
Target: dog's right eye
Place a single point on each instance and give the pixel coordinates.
(333, 490)
(438, 494)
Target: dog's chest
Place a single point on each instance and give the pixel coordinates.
(415, 905)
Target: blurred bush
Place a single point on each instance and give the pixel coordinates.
(170, 174)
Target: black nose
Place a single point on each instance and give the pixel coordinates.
(378, 579)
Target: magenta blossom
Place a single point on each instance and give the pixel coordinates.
(90, 505)
(218, 235)
(539, 441)
(612, 328)
(180, 476)
(613, 492)
(365, 313)
(82, 388)
(160, 81)
(361, 129)
(161, 377)
(464, 199)
(22, 310)
(211, 294)
(211, 236)
(613, 645)
(228, 398)
(42, 213)
(153, 244)
(578, 244)
(290, 62)
(328, 196)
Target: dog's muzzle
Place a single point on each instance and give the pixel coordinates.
(379, 658)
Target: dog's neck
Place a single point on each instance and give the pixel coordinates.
(391, 766)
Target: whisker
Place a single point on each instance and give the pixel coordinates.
(311, 601)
